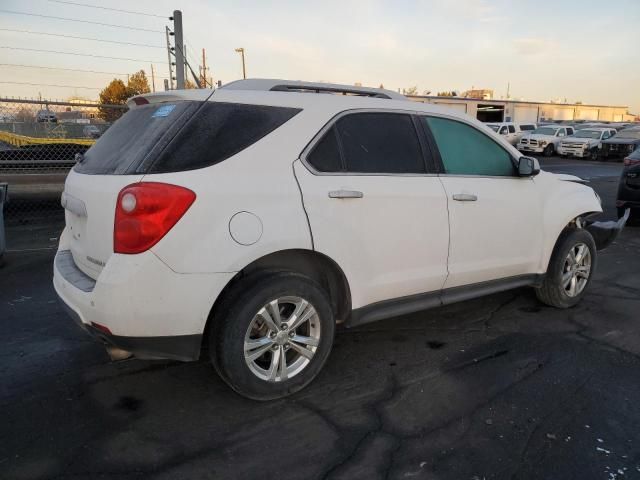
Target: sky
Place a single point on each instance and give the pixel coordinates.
(544, 50)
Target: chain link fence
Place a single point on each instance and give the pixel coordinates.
(39, 140)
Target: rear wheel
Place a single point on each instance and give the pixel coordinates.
(274, 338)
(549, 150)
(570, 269)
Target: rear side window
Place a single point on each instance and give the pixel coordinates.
(467, 151)
(133, 137)
(216, 132)
(185, 135)
(527, 127)
(512, 129)
(325, 156)
(380, 143)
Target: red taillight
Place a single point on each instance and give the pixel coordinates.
(145, 212)
(629, 162)
(102, 328)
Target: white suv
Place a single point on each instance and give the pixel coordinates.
(254, 218)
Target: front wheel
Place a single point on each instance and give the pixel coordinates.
(549, 150)
(274, 338)
(593, 155)
(570, 269)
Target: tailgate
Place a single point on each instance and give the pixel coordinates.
(90, 202)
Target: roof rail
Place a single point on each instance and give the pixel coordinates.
(275, 85)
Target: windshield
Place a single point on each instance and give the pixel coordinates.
(633, 134)
(495, 128)
(595, 134)
(545, 131)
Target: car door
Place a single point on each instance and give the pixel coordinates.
(374, 207)
(495, 217)
(512, 136)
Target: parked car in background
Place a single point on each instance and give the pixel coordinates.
(624, 143)
(91, 131)
(585, 143)
(544, 139)
(512, 132)
(175, 236)
(46, 116)
(629, 186)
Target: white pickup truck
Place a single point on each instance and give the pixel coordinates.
(544, 139)
(510, 131)
(585, 143)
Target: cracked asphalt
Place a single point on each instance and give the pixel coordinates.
(495, 388)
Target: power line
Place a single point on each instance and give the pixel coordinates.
(111, 9)
(79, 54)
(127, 27)
(50, 85)
(80, 38)
(68, 69)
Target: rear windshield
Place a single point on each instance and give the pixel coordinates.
(185, 135)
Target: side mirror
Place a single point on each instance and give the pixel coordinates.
(528, 167)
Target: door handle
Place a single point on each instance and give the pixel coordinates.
(345, 194)
(465, 197)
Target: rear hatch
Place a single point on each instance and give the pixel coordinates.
(119, 158)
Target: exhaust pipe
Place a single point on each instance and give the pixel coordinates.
(117, 354)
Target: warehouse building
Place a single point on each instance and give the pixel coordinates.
(521, 111)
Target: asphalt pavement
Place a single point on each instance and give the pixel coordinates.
(495, 388)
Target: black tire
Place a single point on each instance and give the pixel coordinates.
(549, 150)
(552, 292)
(232, 320)
(593, 154)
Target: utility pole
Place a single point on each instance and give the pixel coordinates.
(179, 52)
(241, 52)
(186, 62)
(167, 31)
(153, 80)
(204, 69)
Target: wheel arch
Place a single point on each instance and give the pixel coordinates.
(568, 222)
(315, 265)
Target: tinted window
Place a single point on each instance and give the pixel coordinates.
(380, 143)
(325, 156)
(467, 151)
(503, 131)
(133, 137)
(216, 132)
(527, 127)
(512, 129)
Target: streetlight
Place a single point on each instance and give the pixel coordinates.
(241, 52)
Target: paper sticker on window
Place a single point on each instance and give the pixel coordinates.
(163, 111)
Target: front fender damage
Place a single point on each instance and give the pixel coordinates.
(604, 233)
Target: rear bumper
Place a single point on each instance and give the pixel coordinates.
(139, 305)
(179, 347)
(604, 233)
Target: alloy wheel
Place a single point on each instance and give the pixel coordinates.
(576, 270)
(282, 339)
